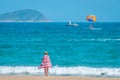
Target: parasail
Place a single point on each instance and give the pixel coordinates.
(91, 18)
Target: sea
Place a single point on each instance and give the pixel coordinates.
(73, 50)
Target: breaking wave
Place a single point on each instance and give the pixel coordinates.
(56, 70)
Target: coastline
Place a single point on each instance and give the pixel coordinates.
(53, 78)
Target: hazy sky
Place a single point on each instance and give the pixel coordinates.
(64, 10)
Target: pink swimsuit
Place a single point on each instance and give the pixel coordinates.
(45, 62)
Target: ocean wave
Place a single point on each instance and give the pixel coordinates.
(56, 70)
(102, 40)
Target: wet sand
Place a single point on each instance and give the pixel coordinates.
(53, 78)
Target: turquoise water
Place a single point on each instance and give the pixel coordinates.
(73, 50)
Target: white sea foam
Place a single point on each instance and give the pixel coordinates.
(74, 71)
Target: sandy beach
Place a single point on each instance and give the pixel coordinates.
(53, 78)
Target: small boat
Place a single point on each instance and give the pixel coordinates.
(71, 24)
(92, 28)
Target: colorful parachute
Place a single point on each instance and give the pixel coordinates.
(91, 18)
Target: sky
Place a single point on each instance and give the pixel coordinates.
(64, 10)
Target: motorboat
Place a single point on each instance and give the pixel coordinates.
(71, 24)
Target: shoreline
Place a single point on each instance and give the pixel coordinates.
(54, 78)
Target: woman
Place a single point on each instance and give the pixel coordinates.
(46, 63)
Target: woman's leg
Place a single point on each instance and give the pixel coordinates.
(47, 71)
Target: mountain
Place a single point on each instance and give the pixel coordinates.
(26, 15)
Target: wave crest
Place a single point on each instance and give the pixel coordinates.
(70, 71)
(101, 40)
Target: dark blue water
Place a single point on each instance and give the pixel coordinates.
(23, 44)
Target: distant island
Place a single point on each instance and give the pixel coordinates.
(26, 15)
